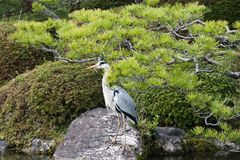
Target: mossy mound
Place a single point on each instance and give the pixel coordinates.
(170, 105)
(15, 58)
(41, 103)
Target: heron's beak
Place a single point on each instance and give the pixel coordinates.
(93, 66)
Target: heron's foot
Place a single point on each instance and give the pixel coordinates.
(125, 148)
(112, 143)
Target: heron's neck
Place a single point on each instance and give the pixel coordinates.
(105, 76)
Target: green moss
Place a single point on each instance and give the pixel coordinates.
(217, 83)
(42, 103)
(15, 58)
(198, 145)
(169, 104)
(151, 147)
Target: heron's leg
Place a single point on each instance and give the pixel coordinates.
(124, 123)
(125, 146)
(115, 139)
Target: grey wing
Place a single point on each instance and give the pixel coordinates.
(124, 103)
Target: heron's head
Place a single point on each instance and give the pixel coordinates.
(100, 65)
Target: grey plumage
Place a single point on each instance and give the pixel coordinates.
(124, 104)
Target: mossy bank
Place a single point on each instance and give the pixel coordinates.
(16, 58)
(41, 103)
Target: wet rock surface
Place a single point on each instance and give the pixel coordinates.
(170, 139)
(227, 146)
(3, 146)
(42, 146)
(90, 136)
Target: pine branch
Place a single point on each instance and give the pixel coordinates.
(228, 31)
(187, 59)
(235, 117)
(209, 123)
(176, 35)
(55, 53)
(196, 64)
(171, 62)
(58, 57)
(50, 13)
(235, 75)
(198, 21)
(210, 61)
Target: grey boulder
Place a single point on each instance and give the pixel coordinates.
(90, 136)
(170, 139)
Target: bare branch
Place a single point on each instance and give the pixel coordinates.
(196, 64)
(237, 116)
(183, 59)
(75, 61)
(209, 123)
(175, 34)
(58, 57)
(198, 21)
(50, 13)
(228, 31)
(127, 44)
(210, 61)
(20, 14)
(171, 62)
(53, 51)
(235, 75)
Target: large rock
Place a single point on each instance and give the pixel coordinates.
(170, 139)
(90, 136)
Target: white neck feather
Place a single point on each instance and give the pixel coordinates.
(105, 76)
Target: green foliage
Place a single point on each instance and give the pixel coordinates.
(225, 10)
(169, 104)
(198, 130)
(9, 8)
(15, 58)
(152, 2)
(225, 134)
(137, 43)
(199, 145)
(218, 9)
(41, 103)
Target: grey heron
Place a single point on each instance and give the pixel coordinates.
(117, 99)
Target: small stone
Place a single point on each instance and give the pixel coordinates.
(170, 139)
(3, 146)
(41, 146)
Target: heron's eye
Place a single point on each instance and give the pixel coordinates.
(102, 62)
(115, 92)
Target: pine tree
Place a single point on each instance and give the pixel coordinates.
(153, 51)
